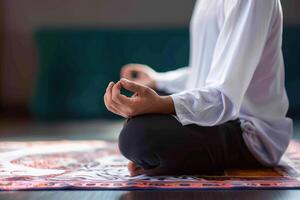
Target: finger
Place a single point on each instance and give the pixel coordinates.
(108, 96)
(109, 93)
(123, 110)
(120, 103)
(128, 71)
(112, 108)
(132, 86)
(108, 103)
(112, 105)
(107, 100)
(116, 90)
(104, 99)
(116, 111)
(118, 97)
(110, 85)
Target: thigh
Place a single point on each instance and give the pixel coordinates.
(186, 149)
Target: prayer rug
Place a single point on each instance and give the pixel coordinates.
(99, 165)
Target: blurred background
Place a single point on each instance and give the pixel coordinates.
(57, 57)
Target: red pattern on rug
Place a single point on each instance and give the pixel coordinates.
(99, 165)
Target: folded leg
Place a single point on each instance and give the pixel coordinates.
(160, 145)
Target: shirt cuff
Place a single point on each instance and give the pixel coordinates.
(179, 108)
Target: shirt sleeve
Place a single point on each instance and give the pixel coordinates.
(172, 81)
(237, 54)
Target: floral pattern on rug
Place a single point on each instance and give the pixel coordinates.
(99, 165)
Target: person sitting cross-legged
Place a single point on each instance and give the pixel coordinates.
(227, 109)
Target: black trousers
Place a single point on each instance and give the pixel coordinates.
(162, 146)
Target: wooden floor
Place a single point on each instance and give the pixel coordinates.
(24, 130)
(153, 195)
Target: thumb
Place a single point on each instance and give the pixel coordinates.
(132, 86)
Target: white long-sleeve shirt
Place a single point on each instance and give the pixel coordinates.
(236, 70)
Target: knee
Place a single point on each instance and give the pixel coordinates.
(135, 137)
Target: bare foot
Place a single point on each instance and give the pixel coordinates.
(134, 170)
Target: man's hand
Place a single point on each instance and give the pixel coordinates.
(144, 101)
(139, 73)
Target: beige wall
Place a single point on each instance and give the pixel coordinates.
(23, 17)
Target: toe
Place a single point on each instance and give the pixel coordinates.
(134, 169)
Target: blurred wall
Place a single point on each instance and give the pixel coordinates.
(22, 18)
(1, 48)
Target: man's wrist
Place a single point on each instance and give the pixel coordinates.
(167, 105)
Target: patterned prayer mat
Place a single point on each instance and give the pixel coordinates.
(99, 165)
